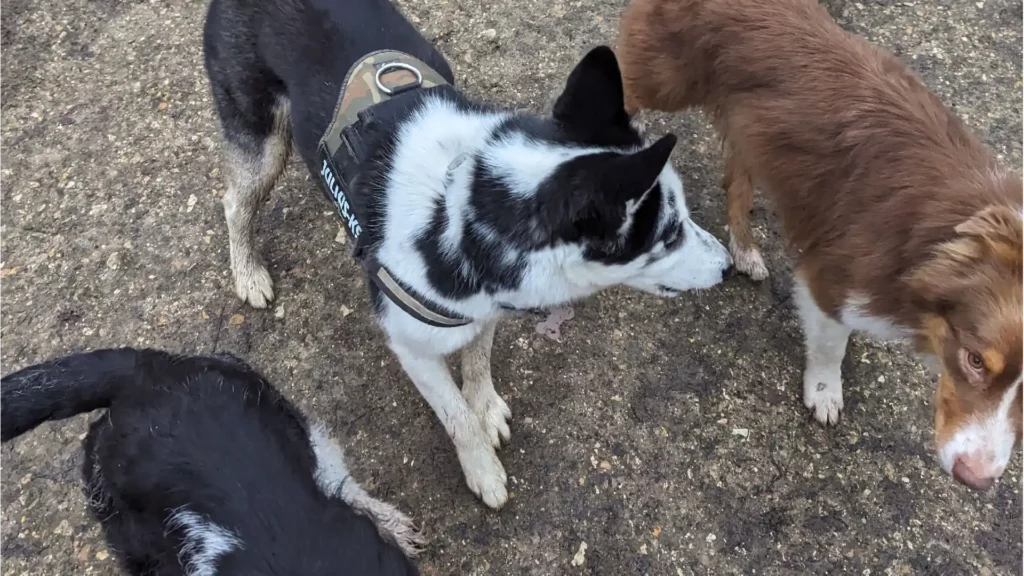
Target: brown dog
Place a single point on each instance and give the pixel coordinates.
(901, 223)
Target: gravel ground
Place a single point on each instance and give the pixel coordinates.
(627, 434)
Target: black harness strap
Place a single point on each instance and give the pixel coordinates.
(366, 96)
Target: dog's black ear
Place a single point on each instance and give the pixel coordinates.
(593, 93)
(618, 185)
(629, 176)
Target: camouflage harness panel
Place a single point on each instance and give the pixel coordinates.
(379, 78)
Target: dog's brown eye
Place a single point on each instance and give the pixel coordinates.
(973, 367)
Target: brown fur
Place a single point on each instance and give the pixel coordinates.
(882, 192)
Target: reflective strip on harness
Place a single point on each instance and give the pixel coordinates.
(379, 78)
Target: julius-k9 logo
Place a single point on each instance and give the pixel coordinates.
(340, 200)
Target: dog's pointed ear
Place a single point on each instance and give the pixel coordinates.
(986, 243)
(619, 191)
(631, 175)
(998, 230)
(593, 93)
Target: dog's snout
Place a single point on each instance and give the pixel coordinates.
(973, 473)
(729, 271)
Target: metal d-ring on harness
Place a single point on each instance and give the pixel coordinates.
(397, 66)
(364, 98)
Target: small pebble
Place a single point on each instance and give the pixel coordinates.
(581, 555)
(83, 554)
(64, 529)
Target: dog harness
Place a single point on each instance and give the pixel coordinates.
(380, 84)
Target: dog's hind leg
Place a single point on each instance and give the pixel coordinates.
(478, 388)
(255, 119)
(739, 194)
(253, 161)
(484, 473)
(334, 479)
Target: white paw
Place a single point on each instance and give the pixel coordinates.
(485, 476)
(494, 415)
(396, 527)
(824, 396)
(750, 262)
(747, 259)
(641, 125)
(253, 284)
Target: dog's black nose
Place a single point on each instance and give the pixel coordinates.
(728, 272)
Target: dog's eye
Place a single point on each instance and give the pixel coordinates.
(973, 365)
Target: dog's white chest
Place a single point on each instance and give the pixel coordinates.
(854, 314)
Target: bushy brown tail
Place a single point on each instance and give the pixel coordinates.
(664, 55)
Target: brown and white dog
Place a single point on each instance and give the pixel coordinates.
(901, 223)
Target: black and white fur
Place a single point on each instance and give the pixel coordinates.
(199, 467)
(471, 208)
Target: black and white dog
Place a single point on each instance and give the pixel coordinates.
(477, 211)
(201, 467)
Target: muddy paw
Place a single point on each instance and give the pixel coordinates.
(750, 262)
(494, 415)
(253, 284)
(824, 398)
(396, 527)
(486, 477)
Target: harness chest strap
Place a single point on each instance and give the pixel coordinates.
(381, 78)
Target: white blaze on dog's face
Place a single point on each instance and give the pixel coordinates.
(978, 451)
(973, 283)
(978, 400)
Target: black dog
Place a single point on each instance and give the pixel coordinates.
(201, 467)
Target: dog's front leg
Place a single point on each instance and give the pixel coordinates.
(826, 347)
(478, 388)
(485, 475)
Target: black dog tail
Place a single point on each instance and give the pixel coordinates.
(64, 387)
